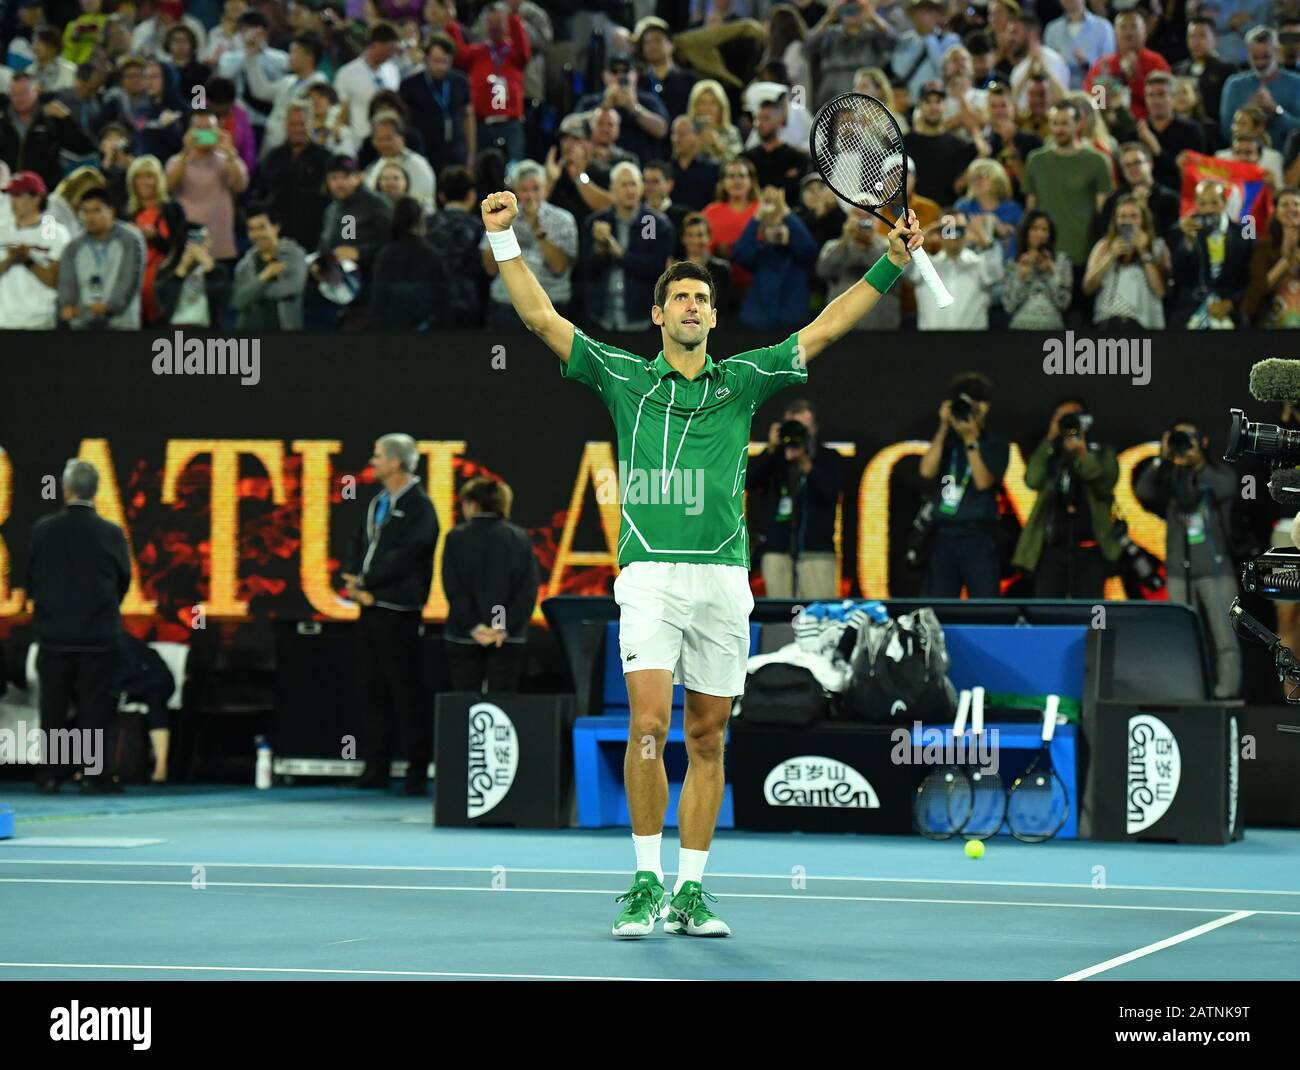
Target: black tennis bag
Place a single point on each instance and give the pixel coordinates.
(787, 695)
(900, 672)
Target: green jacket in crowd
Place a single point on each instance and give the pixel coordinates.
(1098, 470)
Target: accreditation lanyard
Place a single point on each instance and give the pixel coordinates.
(950, 491)
(1195, 522)
(443, 95)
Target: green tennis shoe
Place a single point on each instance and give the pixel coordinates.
(643, 905)
(689, 914)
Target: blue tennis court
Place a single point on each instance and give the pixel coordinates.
(324, 882)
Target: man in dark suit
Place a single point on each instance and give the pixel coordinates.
(1203, 64)
(438, 97)
(78, 572)
(389, 572)
(1211, 262)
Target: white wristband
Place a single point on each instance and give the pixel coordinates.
(505, 246)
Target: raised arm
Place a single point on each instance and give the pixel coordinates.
(838, 317)
(526, 293)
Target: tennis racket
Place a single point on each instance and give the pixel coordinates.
(1038, 803)
(857, 148)
(988, 798)
(942, 801)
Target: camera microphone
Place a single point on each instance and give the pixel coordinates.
(1284, 486)
(1275, 380)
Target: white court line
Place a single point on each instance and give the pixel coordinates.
(301, 969)
(1159, 945)
(623, 872)
(614, 891)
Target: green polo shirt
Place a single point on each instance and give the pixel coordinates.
(683, 445)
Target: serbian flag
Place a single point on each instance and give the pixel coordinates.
(1248, 193)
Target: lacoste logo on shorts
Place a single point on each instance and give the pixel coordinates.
(631, 657)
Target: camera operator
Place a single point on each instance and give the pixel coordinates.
(1067, 541)
(1195, 496)
(798, 481)
(968, 461)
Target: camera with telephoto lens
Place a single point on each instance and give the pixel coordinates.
(961, 406)
(1180, 442)
(1279, 445)
(793, 434)
(1074, 423)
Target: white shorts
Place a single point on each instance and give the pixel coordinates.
(690, 619)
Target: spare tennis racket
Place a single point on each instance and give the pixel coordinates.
(942, 801)
(857, 148)
(988, 797)
(1038, 803)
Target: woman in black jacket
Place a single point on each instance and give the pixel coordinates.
(489, 575)
(408, 275)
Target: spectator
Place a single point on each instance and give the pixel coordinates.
(1204, 64)
(1069, 182)
(1136, 178)
(101, 271)
(574, 180)
(85, 100)
(233, 119)
(941, 158)
(117, 41)
(989, 196)
(794, 488)
(1128, 270)
(643, 119)
(392, 181)
(1195, 495)
(1250, 148)
(193, 288)
(1266, 85)
(1007, 143)
(78, 572)
(1037, 291)
(695, 178)
(663, 77)
(658, 177)
(82, 34)
(1249, 121)
(1233, 18)
(541, 35)
(965, 108)
(1035, 119)
(969, 261)
(846, 258)
(489, 574)
(966, 462)
(225, 36)
(65, 201)
(1079, 36)
(387, 136)
(456, 232)
(30, 249)
(709, 107)
(269, 278)
(439, 99)
(130, 104)
(50, 70)
(548, 237)
(151, 33)
(1164, 133)
(357, 221)
(848, 37)
(255, 60)
(1131, 61)
(787, 44)
(1034, 59)
(495, 69)
(777, 249)
(292, 178)
(408, 273)
(605, 128)
(736, 201)
(1092, 130)
(1274, 297)
(697, 239)
(357, 82)
(187, 73)
(775, 162)
(160, 221)
(33, 137)
(1067, 541)
(305, 53)
(1211, 263)
(1188, 105)
(328, 124)
(917, 58)
(874, 82)
(819, 210)
(205, 177)
(625, 249)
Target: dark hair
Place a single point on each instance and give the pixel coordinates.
(441, 40)
(1135, 146)
(1028, 21)
(253, 18)
(265, 208)
(49, 35)
(694, 219)
(87, 71)
(455, 183)
(184, 30)
(1274, 227)
(325, 90)
(1202, 20)
(407, 217)
(678, 272)
(1070, 399)
(488, 494)
(978, 43)
(490, 170)
(95, 193)
(310, 42)
(221, 91)
(975, 385)
(1027, 221)
(657, 165)
(389, 100)
(801, 405)
(382, 33)
(124, 64)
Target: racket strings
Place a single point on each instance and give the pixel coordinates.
(857, 148)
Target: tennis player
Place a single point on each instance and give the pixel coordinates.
(683, 423)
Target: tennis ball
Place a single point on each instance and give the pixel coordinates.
(974, 848)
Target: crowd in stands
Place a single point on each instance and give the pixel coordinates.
(1108, 164)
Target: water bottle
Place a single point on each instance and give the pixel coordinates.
(262, 777)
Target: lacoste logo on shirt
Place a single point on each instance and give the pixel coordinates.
(722, 392)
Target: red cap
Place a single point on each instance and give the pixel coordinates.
(27, 182)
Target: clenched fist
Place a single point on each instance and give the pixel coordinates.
(499, 211)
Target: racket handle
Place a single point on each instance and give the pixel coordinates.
(963, 708)
(1049, 717)
(926, 267)
(977, 713)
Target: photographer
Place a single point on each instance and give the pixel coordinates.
(797, 481)
(1067, 542)
(1195, 496)
(968, 461)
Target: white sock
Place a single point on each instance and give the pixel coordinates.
(647, 853)
(690, 867)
